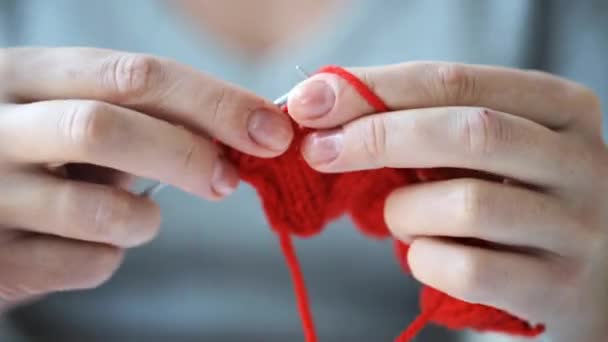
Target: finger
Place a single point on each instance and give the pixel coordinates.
(38, 264)
(463, 137)
(326, 100)
(115, 137)
(82, 211)
(155, 86)
(483, 210)
(505, 280)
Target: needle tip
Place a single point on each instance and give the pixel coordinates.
(302, 72)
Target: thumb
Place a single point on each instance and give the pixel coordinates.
(330, 98)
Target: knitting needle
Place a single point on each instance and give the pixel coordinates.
(281, 101)
(302, 72)
(153, 189)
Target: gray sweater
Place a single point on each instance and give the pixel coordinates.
(215, 273)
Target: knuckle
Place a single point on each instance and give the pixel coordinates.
(472, 282)
(480, 131)
(586, 102)
(219, 106)
(474, 205)
(226, 111)
(116, 218)
(190, 156)
(455, 84)
(85, 125)
(374, 139)
(194, 161)
(129, 76)
(569, 274)
(102, 265)
(111, 215)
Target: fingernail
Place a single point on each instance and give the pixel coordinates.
(312, 100)
(271, 130)
(322, 147)
(224, 179)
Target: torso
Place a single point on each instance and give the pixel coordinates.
(256, 28)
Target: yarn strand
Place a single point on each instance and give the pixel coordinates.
(302, 208)
(374, 100)
(299, 285)
(419, 323)
(380, 106)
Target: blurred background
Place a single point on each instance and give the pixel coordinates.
(215, 273)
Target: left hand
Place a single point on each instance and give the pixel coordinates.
(547, 225)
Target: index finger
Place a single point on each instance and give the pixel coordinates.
(107, 135)
(546, 99)
(155, 86)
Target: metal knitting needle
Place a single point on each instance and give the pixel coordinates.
(302, 72)
(281, 101)
(153, 189)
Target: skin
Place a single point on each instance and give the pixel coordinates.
(77, 124)
(250, 27)
(66, 216)
(544, 227)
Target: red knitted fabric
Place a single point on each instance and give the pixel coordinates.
(301, 201)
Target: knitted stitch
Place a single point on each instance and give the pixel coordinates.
(300, 201)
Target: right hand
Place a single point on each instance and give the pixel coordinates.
(76, 123)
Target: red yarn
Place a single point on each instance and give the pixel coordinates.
(452, 313)
(418, 324)
(299, 286)
(299, 200)
(359, 86)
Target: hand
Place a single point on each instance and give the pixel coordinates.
(76, 125)
(544, 255)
